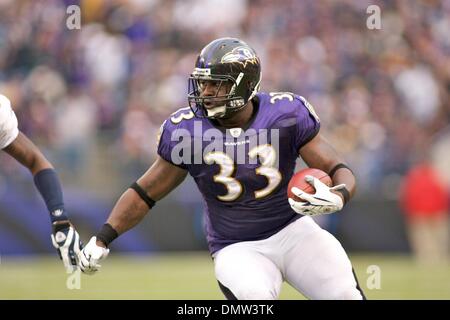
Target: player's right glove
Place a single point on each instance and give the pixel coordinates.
(90, 256)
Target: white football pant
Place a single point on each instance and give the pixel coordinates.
(306, 256)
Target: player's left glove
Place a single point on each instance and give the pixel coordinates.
(324, 201)
(67, 243)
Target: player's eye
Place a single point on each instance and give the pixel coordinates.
(203, 84)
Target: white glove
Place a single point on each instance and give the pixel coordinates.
(67, 243)
(322, 202)
(91, 255)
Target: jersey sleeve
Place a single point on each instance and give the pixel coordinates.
(308, 123)
(168, 145)
(8, 123)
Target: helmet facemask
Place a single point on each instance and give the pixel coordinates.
(227, 62)
(222, 105)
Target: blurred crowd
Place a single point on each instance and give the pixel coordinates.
(101, 92)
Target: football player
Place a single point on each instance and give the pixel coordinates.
(64, 237)
(257, 237)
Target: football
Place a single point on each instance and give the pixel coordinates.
(298, 180)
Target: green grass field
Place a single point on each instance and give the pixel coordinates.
(190, 276)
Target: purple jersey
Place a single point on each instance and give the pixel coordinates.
(242, 173)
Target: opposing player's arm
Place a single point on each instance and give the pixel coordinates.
(157, 182)
(26, 152)
(64, 237)
(45, 177)
(319, 153)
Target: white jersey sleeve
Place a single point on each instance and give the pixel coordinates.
(8, 123)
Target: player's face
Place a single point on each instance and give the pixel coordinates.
(213, 89)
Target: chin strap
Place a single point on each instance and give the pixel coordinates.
(217, 112)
